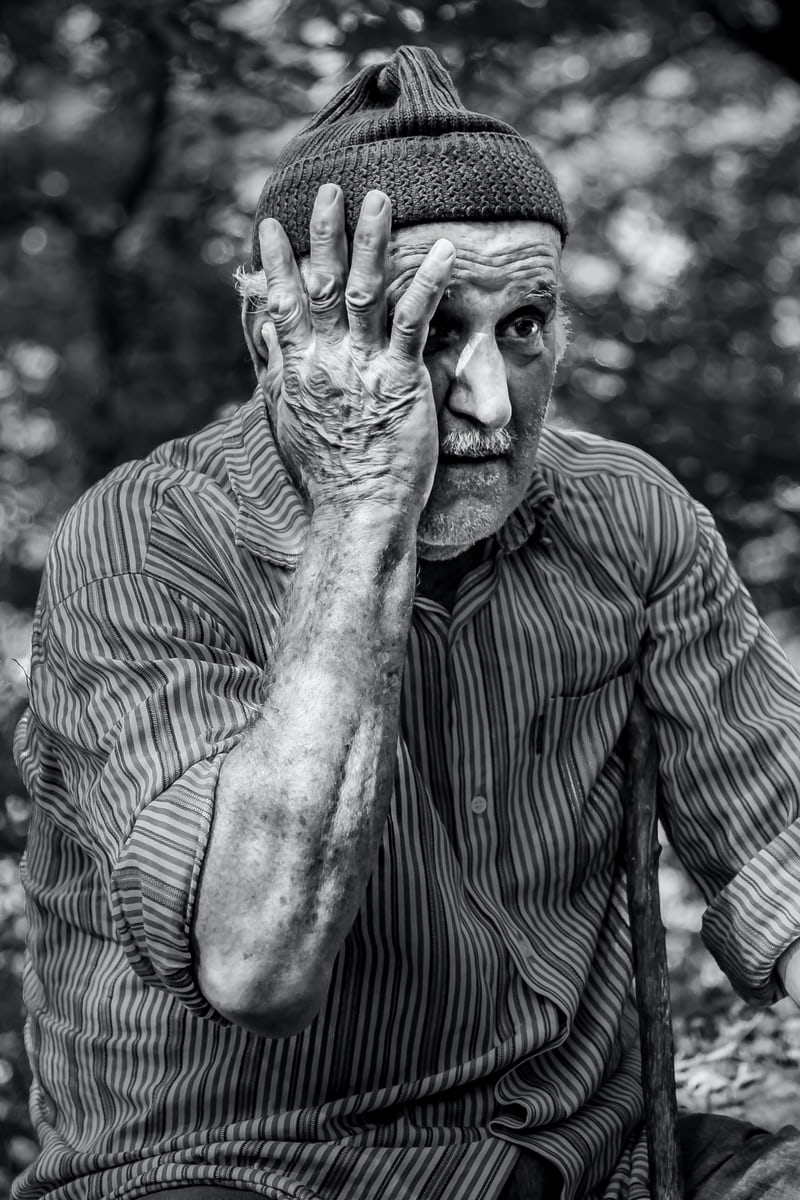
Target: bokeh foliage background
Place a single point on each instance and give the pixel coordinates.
(135, 136)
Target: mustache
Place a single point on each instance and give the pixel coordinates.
(476, 443)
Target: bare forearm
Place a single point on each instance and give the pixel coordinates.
(302, 801)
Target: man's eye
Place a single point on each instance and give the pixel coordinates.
(523, 327)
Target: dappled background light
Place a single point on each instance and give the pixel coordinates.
(136, 139)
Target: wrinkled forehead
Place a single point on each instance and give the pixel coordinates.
(490, 255)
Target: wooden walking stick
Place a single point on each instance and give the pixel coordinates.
(650, 955)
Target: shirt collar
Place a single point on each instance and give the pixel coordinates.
(272, 516)
(529, 520)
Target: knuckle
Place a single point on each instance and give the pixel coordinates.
(368, 238)
(403, 328)
(359, 296)
(407, 318)
(282, 308)
(322, 228)
(426, 281)
(323, 288)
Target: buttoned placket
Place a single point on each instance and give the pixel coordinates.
(481, 810)
(472, 765)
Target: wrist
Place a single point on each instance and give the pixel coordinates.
(380, 519)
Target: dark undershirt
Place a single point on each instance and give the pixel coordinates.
(439, 579)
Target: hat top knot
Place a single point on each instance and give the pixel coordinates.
(411, 83)
(387, 82)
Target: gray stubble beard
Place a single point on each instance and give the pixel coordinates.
(441, 536)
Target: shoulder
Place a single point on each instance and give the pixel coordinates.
(573, 459)
(617, 505)
(591, 474)
(109, 531)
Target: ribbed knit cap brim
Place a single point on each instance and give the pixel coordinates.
(399, 126)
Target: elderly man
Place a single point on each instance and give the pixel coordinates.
(325, 895)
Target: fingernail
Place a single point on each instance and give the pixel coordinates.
(328, 194)
(373, 204)
(442, 250)
(267, 226)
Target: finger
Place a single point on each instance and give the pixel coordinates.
(287, 304)
(274, 371)
(365, 294)
(417, 305)
(327, 272)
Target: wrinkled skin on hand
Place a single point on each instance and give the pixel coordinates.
(354, 416)
(357, 430)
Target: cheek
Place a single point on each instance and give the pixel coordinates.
(529, 383)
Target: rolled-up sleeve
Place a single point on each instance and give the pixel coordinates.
(137, 696)
(726, 705)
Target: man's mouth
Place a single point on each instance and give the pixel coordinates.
(455, 460)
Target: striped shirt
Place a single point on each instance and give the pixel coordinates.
(482, 1000)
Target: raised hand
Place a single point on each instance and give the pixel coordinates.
(355, 412)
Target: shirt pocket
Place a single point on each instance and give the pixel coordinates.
(577, 773)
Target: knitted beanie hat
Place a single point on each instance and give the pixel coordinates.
(400, 126)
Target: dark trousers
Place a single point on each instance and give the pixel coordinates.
(723, 1159)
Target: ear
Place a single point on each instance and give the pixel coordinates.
(262, 343)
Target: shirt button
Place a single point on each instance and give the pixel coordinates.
(479, 804)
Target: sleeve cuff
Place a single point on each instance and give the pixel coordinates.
(756, 917)
(154, 884)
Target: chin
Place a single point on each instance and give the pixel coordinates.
(438, 553)
(446, 534)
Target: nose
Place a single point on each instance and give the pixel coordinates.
(479, 386)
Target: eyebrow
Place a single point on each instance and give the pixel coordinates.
(542, 291)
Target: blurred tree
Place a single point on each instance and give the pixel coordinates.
(135, 139)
